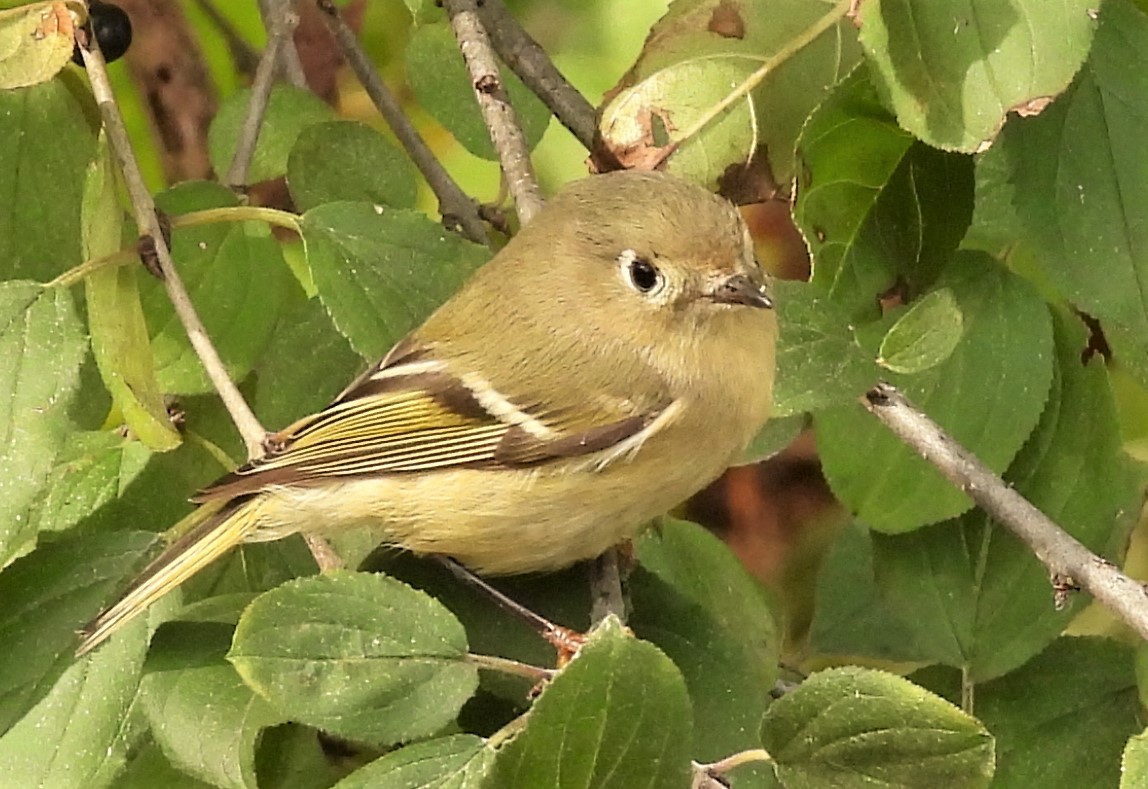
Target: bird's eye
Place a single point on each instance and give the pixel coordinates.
(642, 275)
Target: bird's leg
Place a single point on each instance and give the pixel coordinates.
(566, 641)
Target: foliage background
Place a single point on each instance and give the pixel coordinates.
(960, 271)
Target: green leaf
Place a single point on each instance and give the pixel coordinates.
(849, 616)
(442, 85)
(692, 59)
(617, 716)
(381, 272)
(76, 735)
(304, 366)
(460, 761)
(852, 726)
(1141, 669)
(346, 160)
(36, 41)
(702, 569)
(289, 111)
(204, 718)
(924, 336)
(1063, 718)
(424, 11)
(41, 191)
(115, 317)
(988, 394)
(151, 490)
(237, 279)
(778, 433)
(820, 362)
(357, 654)
(874, 205)
(1074, 468)
(952, 71)
(1081, 178)
(49, 594)
(1134, 762)
(694, 600)
(995, 226)
(290, 756)
(973, 595)
(92, 470)
(149, 769)
(41, 348)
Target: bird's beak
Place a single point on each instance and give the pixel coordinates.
(740, 289)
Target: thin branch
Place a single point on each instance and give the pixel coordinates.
(968, 691)
(281, 14)
(238, 213)
(708, 775)
(606, 594)
(324, 555)
(505, 132)
(529, 61)
(1064, 556)
(149, 225)
(208, 216)
(236, 177)
(121, 257)
(454, 204)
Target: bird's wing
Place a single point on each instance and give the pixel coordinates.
(409, 413)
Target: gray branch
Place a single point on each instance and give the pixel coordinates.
(455, 206)
(148, 222)
(529, 61)
(1069, 563)
(505, 131)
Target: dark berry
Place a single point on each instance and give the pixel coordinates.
(112, 28)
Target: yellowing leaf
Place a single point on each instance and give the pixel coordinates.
(35, 43)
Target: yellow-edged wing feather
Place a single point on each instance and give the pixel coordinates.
(407, 414)
(392, 422)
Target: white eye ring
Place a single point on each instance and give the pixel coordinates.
(640, 274)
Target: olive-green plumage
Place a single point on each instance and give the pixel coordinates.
(610, 361)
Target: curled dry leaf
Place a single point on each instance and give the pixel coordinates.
(727, 81)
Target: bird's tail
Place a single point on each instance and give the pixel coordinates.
(226, 525)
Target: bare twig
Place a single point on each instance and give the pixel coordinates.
(454, 204)
(149, 225)
(710, 775)
(281, 14)
(606, 594)
(505, 132)
(537, 71)
(121, 257)
(277, 34)
(324, 555)
(1060, 552)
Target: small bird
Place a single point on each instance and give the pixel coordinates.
(610, 361)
